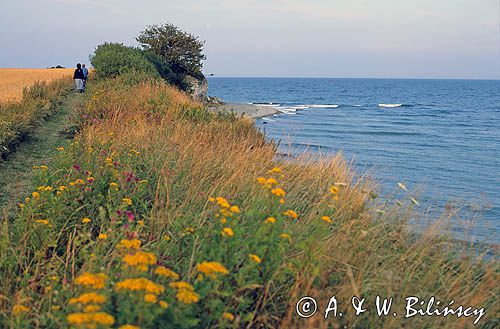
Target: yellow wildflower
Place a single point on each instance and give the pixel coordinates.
(140, 222)
(163, 304)
(60, 148)
(181, 285)
(62, 188)
(255, 258)
(187, 297)
(235, 209)
(150, 298)
(140, 284)
(211, 199)
(88, 298)
(227, 231)
(166, 272)
(271, 181)
(212, 269)
(102, 236)
(275, 170)
(92, 308)
(114, 186)
(222, 202)
(270, 220)
(334, 190)
(223, 220)
(327, 219)
(129, 326)
(286, 236)
(133, 244)
(228, 316)
(141, 260)
(90, 280)
(35, 195)
(44, 167)
(290, 213)
(279, 192)
(86, 220)
(27, 200)
(42, 221)
(90, 320)
(19, 309)
(127, 201)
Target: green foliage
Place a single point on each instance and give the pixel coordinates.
(165, 70)
(183, 51)
(113, 59)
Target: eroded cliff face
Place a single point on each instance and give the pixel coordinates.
(199, 88)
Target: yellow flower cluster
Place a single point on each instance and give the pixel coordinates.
(19, 309)
(140, 284)
(90, 320)
(45, 188)
(140, 260)
(212, 269)
(271, 184)
(129, 326)
(165, 272)
(291, 213)
(227, 210)
(90, 280)
(77, 182)
(228, 316)
(88, 298)
(227, 231)
(133, 244)
(185, 292)
(127, 201)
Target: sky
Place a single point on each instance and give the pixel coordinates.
(292, 38)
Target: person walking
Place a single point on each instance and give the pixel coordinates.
(79, 77)
(86, 75)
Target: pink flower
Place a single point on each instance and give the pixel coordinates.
(130, 215)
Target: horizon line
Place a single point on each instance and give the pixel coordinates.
(358, 77)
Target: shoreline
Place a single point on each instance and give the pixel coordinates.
(252, 111)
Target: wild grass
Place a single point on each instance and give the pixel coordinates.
(19, 117)
(161, 215)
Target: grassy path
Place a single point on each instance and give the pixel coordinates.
(38, 148)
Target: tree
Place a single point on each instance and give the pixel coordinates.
(181, 50)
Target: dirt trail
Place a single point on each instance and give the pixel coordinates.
(38, 148)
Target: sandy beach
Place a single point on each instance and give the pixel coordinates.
(249, 110)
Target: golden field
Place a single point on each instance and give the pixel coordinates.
(13, 80)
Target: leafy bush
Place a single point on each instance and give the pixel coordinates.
(113, 59)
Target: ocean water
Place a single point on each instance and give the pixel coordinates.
(441, 138)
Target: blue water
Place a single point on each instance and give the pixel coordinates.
(441, 138)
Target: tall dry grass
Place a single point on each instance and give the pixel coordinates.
(165, 156)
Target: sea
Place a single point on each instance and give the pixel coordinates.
(440, 138)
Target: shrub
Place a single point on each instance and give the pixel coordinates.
(113, 59)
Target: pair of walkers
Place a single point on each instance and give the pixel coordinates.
(80, 76)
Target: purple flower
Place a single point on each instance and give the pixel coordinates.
(130, 215)
(77, 167)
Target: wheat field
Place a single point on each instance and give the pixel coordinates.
(13, 80)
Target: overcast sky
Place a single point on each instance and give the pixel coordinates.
(331, 38)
